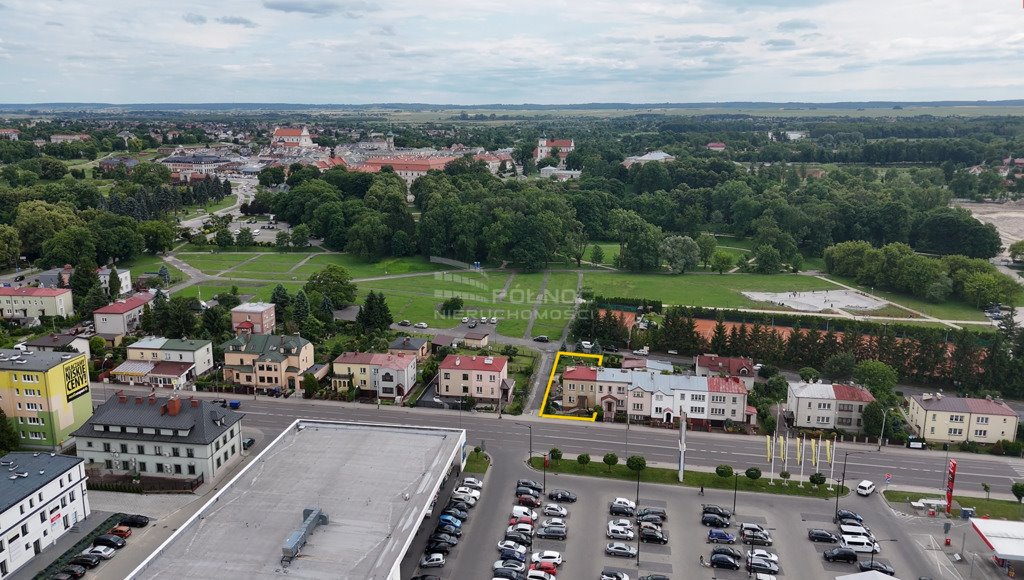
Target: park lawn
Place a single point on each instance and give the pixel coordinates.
(477, 463)
(949, 310)
(558, 304)
(610, 249)
(211, 249)
(516, 308)
(707, 290)
(149, 264)
(734, 242)
(418, 308)
(213, 263)
(191, 211)
(359, 268)
(208, 291)
(269, 266)
(814, 263)
(474, 286)
(597, 468)
(1000, 509)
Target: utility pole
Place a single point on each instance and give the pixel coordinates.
(886, 412)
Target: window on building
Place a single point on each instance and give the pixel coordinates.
(177, 469)
(824, 406)
(638, 394)
(572, 386)
(844, 420)
(159, 467)
(981, 432)
(465, 376)
(189, 452)
(823, 420)
(447, 375)
(142, 466)
(956, 418)
(983, 420)
(697, 410)
(697, 398)
(140, 449)
(845, 408)
(124, 448)
(717, 398)
(638, 406)
(479, 390)
(191, 469)
(716, 411)
(955, 431)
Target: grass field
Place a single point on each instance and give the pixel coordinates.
(557, 306)
(477, 463)
(190, 248)
(193, 211)
(610, 249)
(708, 290)
(361, 269)
(259, 292)
(268, 266)
(147, 264)
(950, 310)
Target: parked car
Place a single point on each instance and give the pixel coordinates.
(553, 509)
(531, 484)
(524, 539)
(649, 536)
(86, 560)
(847, 514)
(510, 545)
(459, 505)
(840, 555)
(546, 567)
(528, 501)
(120, 531)
(447, 529)
(717, 536)
(714, 521)
(432, 561)
(613, 575)
(820, 535)
(404, 323)
(513, 554)
(621, 523)
(464, 498)
(731, 552)
(438, 548)
(109, 541)
(135, 521)
(562, 495)
(553, 532)
(523, 490)
(653, 577)
(474, 493)
(465, 319)
(755, 538)
(420, 325)
(104, 552)
(877, 567)
(619, 533)
(472, 483)
(472, 324)
(73, 571)
(510, 565)
(759, 553)
(507, 575)
(456, 513)
(762, 565)
(656, 511)
(443, 537)
(248, 442)
(620, 549)
(520, 520)
(451, 521)
(494, 320)
(540, 338)
(624, 502)
(556, 522)
(520, 511)
(723, 561)
(547, 556)
(865, 488)
(525, 529)
(621, 510)
(651, 518)
(718, 510)
(425, 577)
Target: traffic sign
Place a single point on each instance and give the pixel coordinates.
(888, 477)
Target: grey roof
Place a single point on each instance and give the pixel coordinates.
(35, 360)
(40, 469)
(52, 340)
(407, 343)
(264, 343)
(204, 422)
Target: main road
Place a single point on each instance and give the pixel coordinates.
(910, 469)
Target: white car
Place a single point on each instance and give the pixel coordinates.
(586, 344)
(624, 502)
(468, 491)
(465, 498)
(465, 319)
(521, 511)
(617, 533)
(547, 556)
(621, 523)
(494, 320)
(554, 522)
(514, 565)
(432, 561)
(650, 526)
(538, 575)
(763, 554)
(763, 576)
(472, 483)
(865, 488)
(526, 529)
(104, 552)
(510, 545)
(420, 325)
(613, 575)
(553, 509)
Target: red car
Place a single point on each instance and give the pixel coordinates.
(521, 520)
(528, 501)
(548, 567)
(121, 531)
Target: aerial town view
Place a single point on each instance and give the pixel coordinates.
(664, 290)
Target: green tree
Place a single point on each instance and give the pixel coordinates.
(335, 283)
(245, 238)
(374, 314)
(452, 306)
(271, 176)
(300, 236)
(96, 298)
(281, 301)
(10, 246)
(809, 374)
(721, 261)
(283, 240)
(38, 221)
(310, 386)
(597, 254)
(839, 366)
(223, 238)
(9, 440)
(681, 253)
(1016, 250)
(147, 320)
(83, 280)
(300, 307)
(636, 463)
(611, 460)
(165, 274)
(181, 317)
(114, 283)
(768, 260)
(216, 322)
(313, 329)
(1018, 490)
(69, 246)
(707, 244)
(987, 489)
(555, 454)
(576, 240)
(583, 459)
(724, 471)
(879, 378)
(158, 236)
(817, 478)
(98, 346)
(872, 415)
(753, 473)
(325, 312)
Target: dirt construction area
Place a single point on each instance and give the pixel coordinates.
(1007, 217)
(819, 301)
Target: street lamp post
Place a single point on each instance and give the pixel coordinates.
(735, 490)
(842, 482)
(530, 427)
(882, 435)
(638, 542)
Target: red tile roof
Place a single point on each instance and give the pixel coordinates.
(287, 132)
(579, 374)
(386, 360)
(852, 393)
(126, 305)
(732, 366)
(726, 385)
(474, 363)
(39, 292)
(410, 163)
(558, 143)
(170, 369)
(716, 145)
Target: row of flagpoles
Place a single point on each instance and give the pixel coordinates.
(779, 447)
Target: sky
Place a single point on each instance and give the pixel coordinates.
(478, 51)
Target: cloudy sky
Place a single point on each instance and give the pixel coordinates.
(527, 51)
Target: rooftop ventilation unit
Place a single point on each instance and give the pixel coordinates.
(312, 517)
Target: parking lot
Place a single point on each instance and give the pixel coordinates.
(786, 518)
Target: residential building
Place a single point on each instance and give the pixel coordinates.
(291, 137)
(10, 134)
(159, 349)
(44, 499)
(27, 303)
(114, 163)
(124, 276)
(544, 147)
(266, 362)
(440, 341)
(66, 138)
(656, 156)
(827, 406)
(45, 395)
(407, 167)
(727, 400)
(660, 366)
(417, 347)
(253, 318)
(121, 317)
(476, 339)
(382, 375)
(194, 163)
(485, 378)
(560, 174)
(60, 343)
(161, 436)
(708, 365)
(61, 278)
(937, 417)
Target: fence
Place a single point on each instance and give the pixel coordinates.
(142, 484)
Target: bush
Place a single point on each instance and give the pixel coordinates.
(583, 459)
(753, 473)
(514, 408)
(817, 478)
(724, 471)
(555, 454)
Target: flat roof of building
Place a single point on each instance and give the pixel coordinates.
(34, 360)
(373, 481)
(29, 472)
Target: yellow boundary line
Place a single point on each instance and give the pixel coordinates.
(551, 379)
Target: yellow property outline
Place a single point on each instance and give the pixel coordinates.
(551, 379)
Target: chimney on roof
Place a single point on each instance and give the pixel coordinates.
(152, 398)
(988, 397)
(173, 406)
(121, 397)
(458, 361)
(194, 402)
(926, 396)
(138, 400)
(938, 396)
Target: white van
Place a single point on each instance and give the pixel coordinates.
(860, 544)
(520, 511)
(866, 488)
(856, 531)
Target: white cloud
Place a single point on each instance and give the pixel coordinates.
(557, 51)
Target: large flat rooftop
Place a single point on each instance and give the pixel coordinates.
(374, 482)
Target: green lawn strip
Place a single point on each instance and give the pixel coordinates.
(596, 468)
(477, 463)
(207, 291)
(359, 268)
(610, 249)
(147, 264)
(469, 286)
(949, 310)
(887, 310)
(695, 289)
(1001, 509)
(734, 242)
(419, 308)
(269, 266)
(192, 248)
(551, 320)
